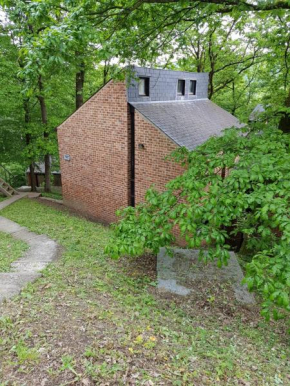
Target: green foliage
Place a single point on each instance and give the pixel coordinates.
(208, 209)
(11, 143)
(16, 174)
(43, 39)
(24, 353)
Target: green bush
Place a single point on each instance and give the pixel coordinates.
(17, 172)
(210, 208)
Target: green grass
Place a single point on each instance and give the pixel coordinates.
(91, 320)
(2, 198)
(55, 196)
(10, 250)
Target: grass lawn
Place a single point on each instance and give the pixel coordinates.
(93, 321)
(10, 250)
(2, 198)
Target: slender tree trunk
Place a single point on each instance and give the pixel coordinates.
(233, 110)
(212, 65)
(32, 177)
(28, 141)
(106, 71)
(210, 84)
(47, 165)
(284, 123)
(43, 110)
(80, 80)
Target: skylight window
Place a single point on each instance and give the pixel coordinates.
(192, 87)
(144, 86)
(181, 87)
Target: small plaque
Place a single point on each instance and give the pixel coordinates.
(66, 157)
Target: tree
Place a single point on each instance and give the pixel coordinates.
(218, 6)
(207, 209)
(11, 142)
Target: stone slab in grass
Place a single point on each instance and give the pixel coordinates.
(178, 274)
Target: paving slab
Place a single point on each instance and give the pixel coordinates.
(9, 226)
(178, 273)
(27, 266)
(52, 200)
(34, 194)
(18, 279)
(42, 250)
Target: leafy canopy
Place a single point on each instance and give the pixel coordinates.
(208, 208)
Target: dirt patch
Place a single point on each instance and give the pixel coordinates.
(145, 265)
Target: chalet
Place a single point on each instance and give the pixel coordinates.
(113, 148)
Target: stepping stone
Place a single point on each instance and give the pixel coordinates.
(177, 274)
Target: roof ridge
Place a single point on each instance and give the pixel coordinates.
(171, 101)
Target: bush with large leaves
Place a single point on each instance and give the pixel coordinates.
(209, 207)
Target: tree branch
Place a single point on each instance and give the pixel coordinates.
(226, 5)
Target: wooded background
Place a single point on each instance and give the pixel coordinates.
(55, 54)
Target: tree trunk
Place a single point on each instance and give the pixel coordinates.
(212, 59)
(47, 165)
(28, 140)
(41, 99)
(106, 71)
(210, 84)
(284, 123)
(80, 80)
(32, 177)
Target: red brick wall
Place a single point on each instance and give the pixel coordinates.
(96, 137)
(96, 180)
(150, 165)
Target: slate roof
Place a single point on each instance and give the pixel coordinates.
(187, 123)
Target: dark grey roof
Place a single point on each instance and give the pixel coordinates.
(187, 123)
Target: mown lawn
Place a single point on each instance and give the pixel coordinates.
(2, 198)
(93, 321)
(10, 250)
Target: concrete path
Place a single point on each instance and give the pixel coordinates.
(52, 200)
(10, 201)
(17, 197)
(42, 251)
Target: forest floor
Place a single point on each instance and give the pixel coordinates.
(94, 321)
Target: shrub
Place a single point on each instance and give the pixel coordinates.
(209, 207)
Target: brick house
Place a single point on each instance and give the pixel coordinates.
(112, 149)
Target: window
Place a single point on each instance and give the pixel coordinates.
(192, 87)
(181, 87)
(144, 86)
